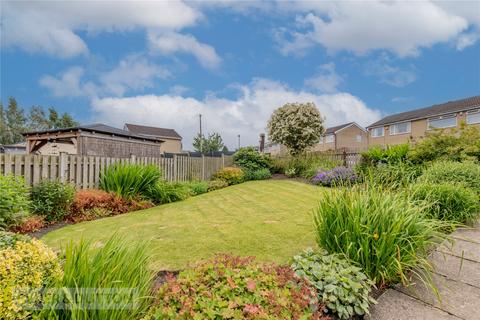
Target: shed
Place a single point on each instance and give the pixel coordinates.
(92, 140)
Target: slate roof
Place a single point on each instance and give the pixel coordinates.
(336, 128)
(97, 127)
(152, 131)
(435, 110)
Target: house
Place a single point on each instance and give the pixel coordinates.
(415, 124)
(92, 140)
(275, 149)
(17, 148)
(349, 137)
(172, 141)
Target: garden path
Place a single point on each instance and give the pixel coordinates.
(457, 277)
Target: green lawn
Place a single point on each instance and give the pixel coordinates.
(271, 220)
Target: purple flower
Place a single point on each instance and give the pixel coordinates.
(335, 176)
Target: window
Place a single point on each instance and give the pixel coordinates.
(329, 138)
(378, 132)
(399, 128)
(359, 138)
(473, 117)
(442, 122)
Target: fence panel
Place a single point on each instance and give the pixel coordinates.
(85, 171)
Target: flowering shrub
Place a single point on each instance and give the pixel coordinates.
(342, 287)
(231, 175)
(14, 202)
(228, 287)
(336, 176)
(24, 264)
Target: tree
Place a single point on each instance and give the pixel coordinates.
(297, 126)
(37, 119)
(67, 121)
(3, 125)
(16, 122)
(204, 145)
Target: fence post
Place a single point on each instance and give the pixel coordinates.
(175, 167)
(63, 166)
(133, 158)
(344, 157)
(223, 160)
(203, 167)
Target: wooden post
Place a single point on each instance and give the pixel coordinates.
(203, 167)
(223, 160)
(63, 166)
(344, 157)
(132, 158)
(175, 167)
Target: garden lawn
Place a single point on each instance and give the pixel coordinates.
(269, 219)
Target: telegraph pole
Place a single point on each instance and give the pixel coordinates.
(239, 142)
(201, 135)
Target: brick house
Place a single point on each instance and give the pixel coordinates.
(349, 137)
(416, 124)
(172, 141)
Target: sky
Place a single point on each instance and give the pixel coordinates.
(162, 63)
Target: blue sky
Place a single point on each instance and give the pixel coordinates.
(162, 63)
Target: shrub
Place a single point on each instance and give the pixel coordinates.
(167, 192)
(119, 271)
(261, 174)
(446, 201)
(86, 200)
(392, 176)
(453, 144)
(391, 155)
(342, 287)
(52, 199)
(197, 187)
(129, 180)
(382, 232)
(26, 267)
(29, 224)
(227, 287)
(306, 166)
(14, 200)
(250, 159)
(231, 175)
(335, 177)
(216, 184)
(467, 173)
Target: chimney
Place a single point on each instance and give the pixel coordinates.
(262, 142)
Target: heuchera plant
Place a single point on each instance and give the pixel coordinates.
(338, 175)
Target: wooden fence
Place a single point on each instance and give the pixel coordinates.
(84, 171)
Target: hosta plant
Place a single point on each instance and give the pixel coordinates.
(228, 287)
(341, 286)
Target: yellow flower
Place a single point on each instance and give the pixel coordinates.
(375, 236)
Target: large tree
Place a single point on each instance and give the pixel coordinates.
(209, 144)
(16, 122)
(297, 126)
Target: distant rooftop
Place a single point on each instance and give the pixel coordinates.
(435, 110)
(152, 131)
(332, 130)
(96, 127)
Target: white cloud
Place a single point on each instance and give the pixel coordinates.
(68, 83)
(246, 115)
(326, 80)
(391, 75)
(467, 39)
(173, 42)
(400, 27)
(52, 26)
(132, 74)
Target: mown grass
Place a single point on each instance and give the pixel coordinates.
(270, 219)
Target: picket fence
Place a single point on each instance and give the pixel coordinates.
(84, 171)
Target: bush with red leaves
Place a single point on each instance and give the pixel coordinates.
(229, 287)
(29, 224)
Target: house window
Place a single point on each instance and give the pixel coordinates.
(442, 122)
(378, 132)
(400, 128)
(473, 117)
(359, 138)
(329, 138)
